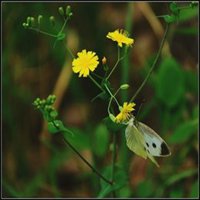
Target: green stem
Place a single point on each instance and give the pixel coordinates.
(112, 96)
(70, 52)
(153, 65)
(118, 60)
(97, 84)
(84, 160)
(87, 163)
(43, 32)
(63, 26)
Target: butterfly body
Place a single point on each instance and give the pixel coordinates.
(144, 141)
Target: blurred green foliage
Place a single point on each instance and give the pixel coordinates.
(120, 179)
(100, 140)
(169, 85)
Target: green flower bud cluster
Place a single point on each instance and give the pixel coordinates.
(67, 13)
(31, 22)
(45, 105)
(34, 24)
(50, 114)
(175, 11)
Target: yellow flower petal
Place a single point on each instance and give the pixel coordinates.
(85, 62)
(125, 112)
(121, 37)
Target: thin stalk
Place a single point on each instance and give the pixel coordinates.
(112, 96)
(87, 163)
(153, 65)
(70, 52)
(84, 160)
(118, 60)
(61, 30)
(94, 81)
(43, 32)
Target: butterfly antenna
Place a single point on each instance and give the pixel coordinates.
(137, 114)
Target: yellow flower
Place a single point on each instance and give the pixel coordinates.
(86, 62)
(125, 112)
(120, 36)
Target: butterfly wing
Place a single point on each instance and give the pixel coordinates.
(154, 144)
(135, 140)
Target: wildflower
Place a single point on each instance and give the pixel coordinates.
(86, 62)
(125, 112)
(120, 36)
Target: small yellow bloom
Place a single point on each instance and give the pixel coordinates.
(86, 62)
(120, 36)
(125, 112)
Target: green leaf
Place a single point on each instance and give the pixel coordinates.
(169, 18)
(179, 176)
(120, 179)
(53, 127)
(57, 126)
(100, 141)
(125, 191)
(80, 140)
(145, 188)
(184, 131)
(107, 83)
(194, 190)
(105, 191)
(174, 8)
(113, 127)
(170, 83)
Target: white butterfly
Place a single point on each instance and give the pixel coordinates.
(144, 141)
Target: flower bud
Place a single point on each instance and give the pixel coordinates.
(124, 87)
(68, 11)
(61, 11)
(112, 117)
(43, 101)
(39, 18)
(32, 21)
(54, 114)
(52, 20)
(120, 108)
(28, 21)
(104, 60)
(25, 25)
